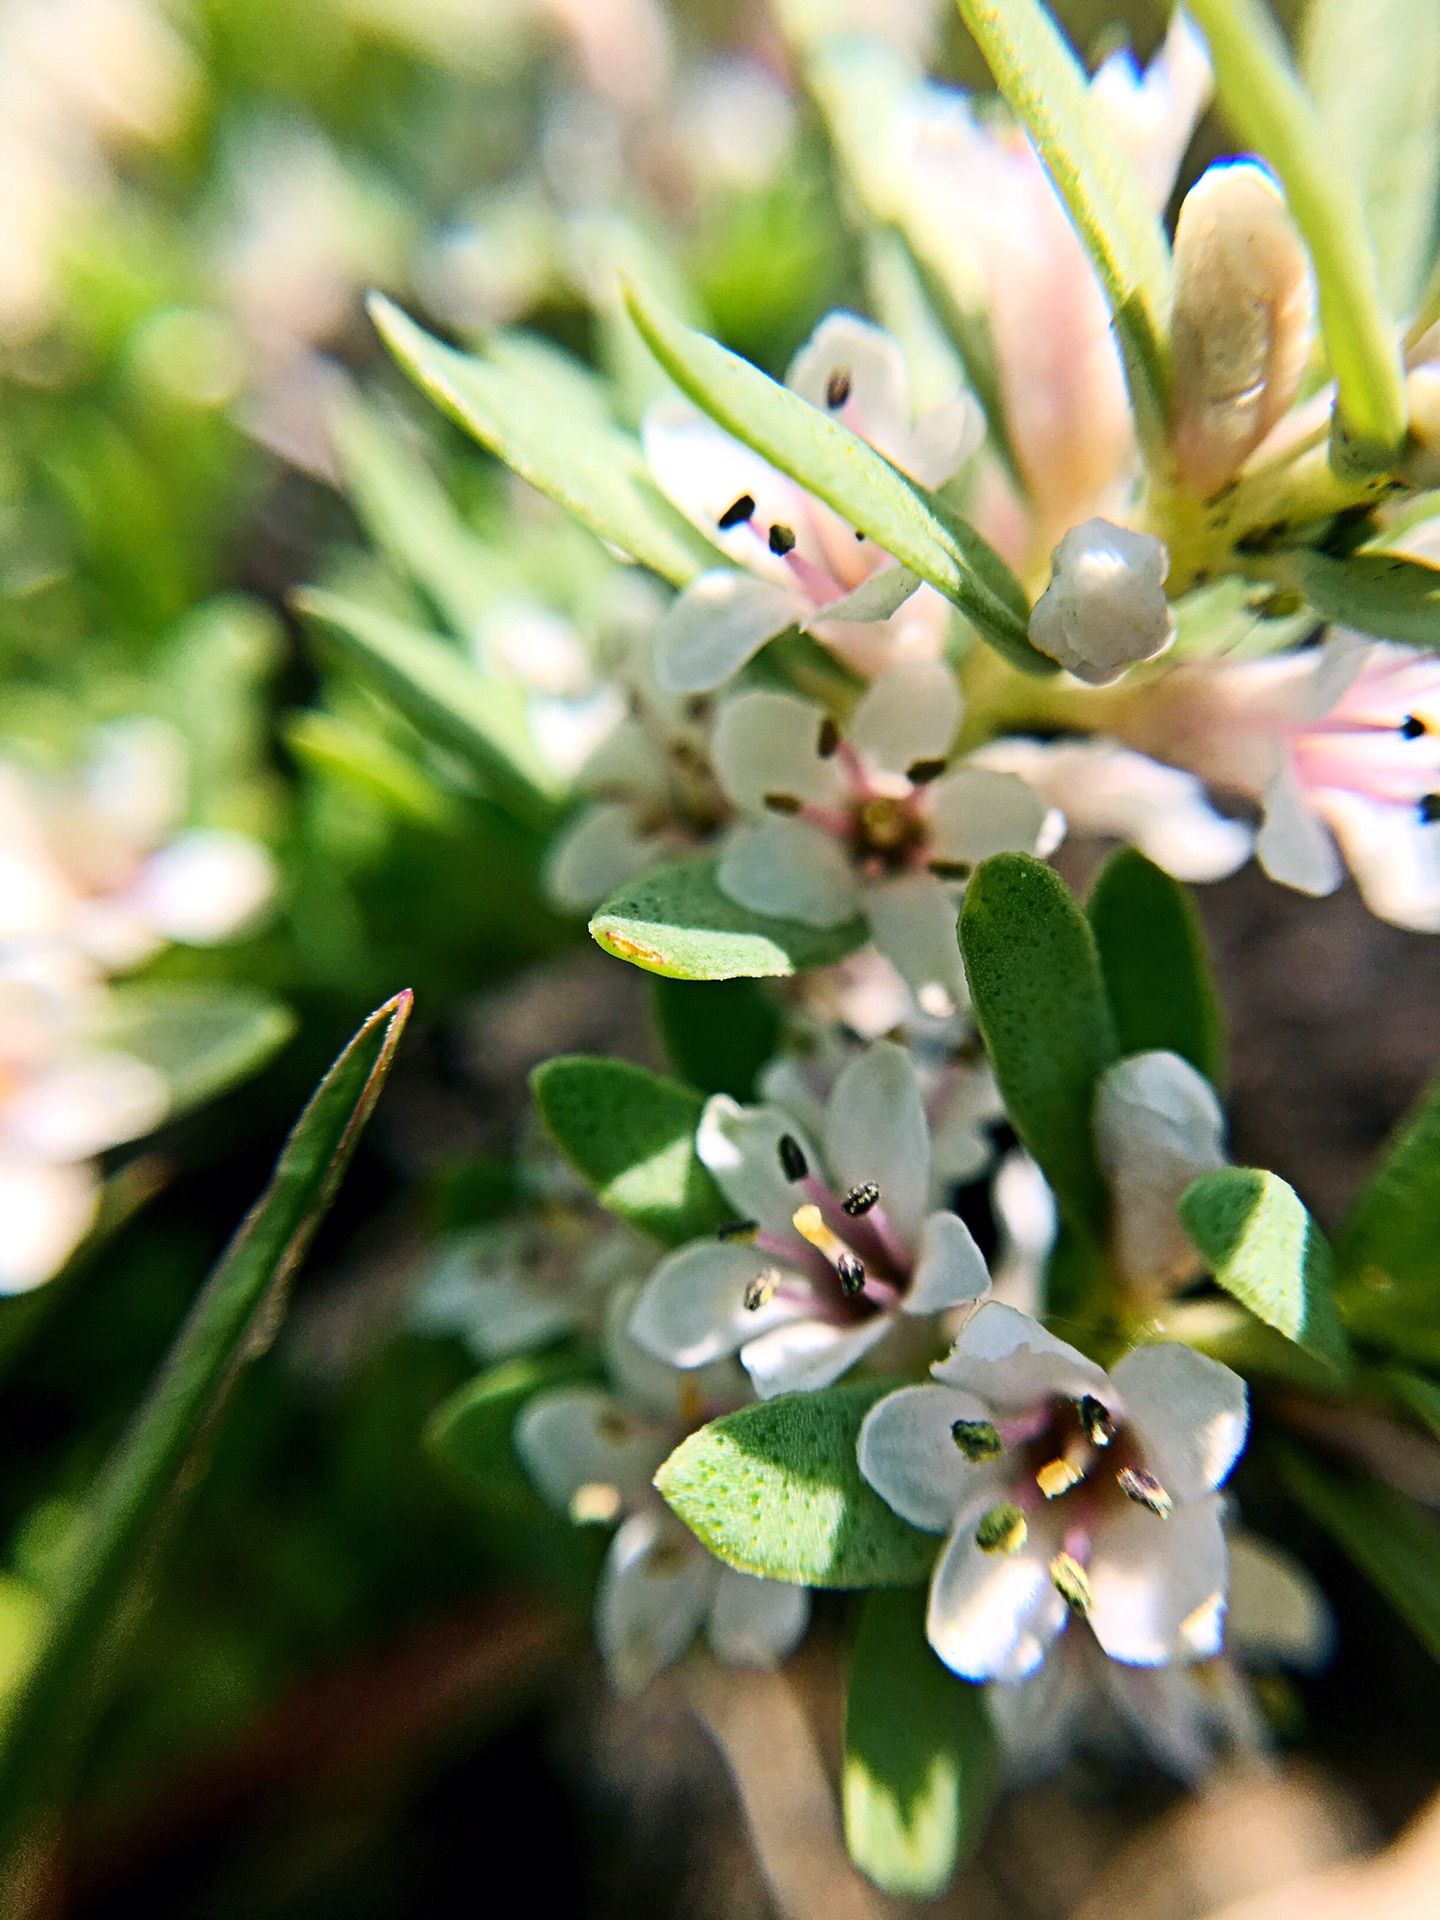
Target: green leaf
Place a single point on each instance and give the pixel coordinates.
(546, 418)
(1263, 1248)
(233, 1320)
(1389, 1539)
(201, 1040)
(675, 920)
(919, 1768)
(718, 1034)
(1047, 91)
(1266, 105)
(1043, 1013)
(1420, 1396)
(631, 1137)
(359, 758)
(1374, 71)
(1380, 593)
(1388, 1246)
(836, 465)
(1157, 971)
(472, 1432)
(448, 700)
(775, 1490)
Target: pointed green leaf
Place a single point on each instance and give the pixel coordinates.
(631, 1137)
(1266, 105)
(479, 718)
(551, 424)
(774, 1489)
(836, 465)
(356, 756)
(1260, 1243)
(202, 1040)
(233, 1320)
(1388, 1246)
(1384, 594)
(920, 1767)
(1046, 89)
(675, 920)
(1389, 1539)
(1420, 1396)
(718, 1034)
(1157, 971)
(1043, 1013)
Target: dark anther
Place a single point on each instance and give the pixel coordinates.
(760, 1291)
(951, 869)
(1145, 1490)
(737, 514)
(977, 1439)
(859, 1200)
(793, 1163)
(1412, 727)
(783, 803)
(837, 388)
(782, 539)
(829, 738)
(737, 1230)
(1430, 809)
(921, 772)
(1097, 1420)
(852, 1275)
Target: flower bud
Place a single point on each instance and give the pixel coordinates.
(1105, 607)
(1242, 320)
(1421, 464)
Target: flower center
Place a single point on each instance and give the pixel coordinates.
(887, 830)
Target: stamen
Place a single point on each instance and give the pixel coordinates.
(977, 1439)
(1145, 1490)
(1057, 1477)
(793, 1163)
(737, 514)
(737, 1230)
(809, 1223)
(852, 1275)
(1072, 1583)
(1097, 1420)
(859, 1200)
(829, 740)
(783, 802)
(921, 772)
(837, 389)
(1412, 727)
(950, 869)
(761, 1290)
(782, 539)
(1003, 1529)
(1430, 809)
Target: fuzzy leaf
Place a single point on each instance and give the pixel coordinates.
(1157, 971)
(775, 1490)
(1391, 1540)
(917, 1781)
(1042, 1010)
(718, 1034)
(676, 921)
(1388, 1246)
(631, 1137)
(1265, 1250)
(550, 423)
(833, 463)
(1383, 594)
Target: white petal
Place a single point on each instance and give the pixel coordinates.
(1042, 1719)
(1174, 1712)
(1292, 845)
(875, 1129)
(908, 1454)
(204, 887)
(581, 1437)
(913, 921)
(47, 1212)
(1191, 1413)
(910, 713)
(877, 598)
(654, 1592)
(629, 762)
(718, 623)
(790, 870)
(992, 1616)
(1012, 1362)
(753, 1622)
(804, 1355)
(740, 1146)
(81, 1105)
(878, 406)
(1158, 1586)
(1395, 857)
(1277, 1614)
(1158, 1127)
(769, 743)
(598, 851)
(692, 1308)
(653, 1385)
(951, 1270)
(975, 812)
(1105, 607)
(1152, 115)
(704, 472)
(943, 439)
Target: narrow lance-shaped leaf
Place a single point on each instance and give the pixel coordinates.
(1268, 107)
(1043, 1013)
(775, 1490)
(1262, 1246)
(1388, 1246)
(675, 921)
(1384, 594)
(1157, 972)
(1419, 1396)
(232, 1321)
(841, 469)
(919, 1768)
(1047, 90)
(630, 1135)
(556, 433)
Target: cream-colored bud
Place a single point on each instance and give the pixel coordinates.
(1105, 607)
(1421, 464)
(1243, 320)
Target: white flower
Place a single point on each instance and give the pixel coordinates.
(837, 1243)
(1063, 1488)
(873, 821)
(1105, 607)
(593, 1454)
(795, 562)
(1158, 1128)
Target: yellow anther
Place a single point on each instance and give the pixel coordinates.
(595, 1504)
(1071, 1582)
(1057, 1477)
(809, 1223)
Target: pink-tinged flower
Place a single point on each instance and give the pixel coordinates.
(794, 562)
(837, 1243)
(593, 1454)
(1063, 1489)
(873, 820)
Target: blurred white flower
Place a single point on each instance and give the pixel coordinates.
(1158, 1128)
